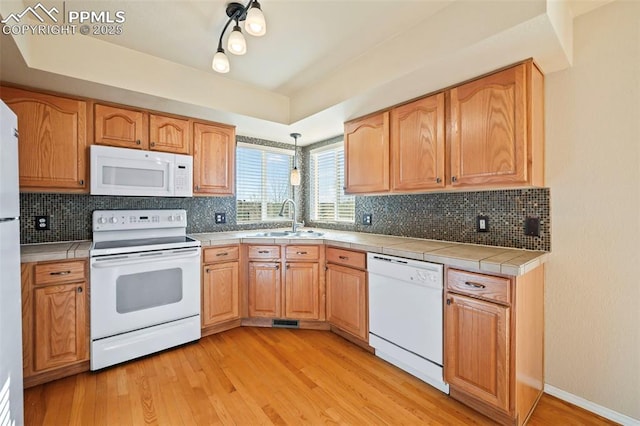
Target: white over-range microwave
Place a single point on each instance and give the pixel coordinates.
(124, 171)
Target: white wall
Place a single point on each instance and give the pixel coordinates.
(593, 170)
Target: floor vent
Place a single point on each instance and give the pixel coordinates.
(282, 323)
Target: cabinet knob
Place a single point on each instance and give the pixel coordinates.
(197, 188)
(448, 301)
(454, 179)
(81, 182)
(438, 180)
(79, 289)
(153, 144)
(138, 142)
(277, 267)
(207, 270)
(288, 266)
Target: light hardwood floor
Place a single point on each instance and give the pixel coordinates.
(250, 376)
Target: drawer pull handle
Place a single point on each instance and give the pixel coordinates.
(474, 285)
(301, 252)
(343, 257)
(222, 254)
(263, 251)
(60, 273)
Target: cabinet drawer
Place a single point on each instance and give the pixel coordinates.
(220, 254)
(60, 272)
(354, 259)
(302, 252)
(479, 285)
(264, 252)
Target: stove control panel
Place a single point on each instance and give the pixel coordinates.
(116, 220)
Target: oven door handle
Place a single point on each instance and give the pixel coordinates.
(143, 258)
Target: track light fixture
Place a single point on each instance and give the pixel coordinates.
(254, 24)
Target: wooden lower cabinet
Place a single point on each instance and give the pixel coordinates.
(302, 289)
(264, 289)
(494, 344)
(221, 293)
(284, 281)
(55, 326)
(347, 292)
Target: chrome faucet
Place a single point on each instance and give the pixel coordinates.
(294, 224)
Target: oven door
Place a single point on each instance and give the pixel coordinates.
(133, 291)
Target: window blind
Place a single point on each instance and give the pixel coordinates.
(328, 200)
(262, 176)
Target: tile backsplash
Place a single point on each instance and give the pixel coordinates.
(451, 216)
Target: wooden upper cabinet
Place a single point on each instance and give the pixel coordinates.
(366, 150)
(169, 134)
(417, 144)
(52, 141)
(497, 129)
(214, 152)
(125, 128)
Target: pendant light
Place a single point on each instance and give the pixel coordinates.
(236, 43)
(295, 173)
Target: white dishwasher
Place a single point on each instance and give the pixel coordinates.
(405, 315)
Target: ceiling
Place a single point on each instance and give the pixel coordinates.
(320, 63)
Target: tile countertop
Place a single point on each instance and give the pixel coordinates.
(490, 259)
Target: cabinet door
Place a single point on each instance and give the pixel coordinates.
(417, 144)
(169, 134)
(121, 127)
(60, 325)
(477, 349)
(302, 290)
(489, 129)
(220, 293)
(264, 289)
(347, 300)
(366, 150)
(214, 152)
(53, 140)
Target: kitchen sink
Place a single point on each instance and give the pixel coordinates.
(289, 234)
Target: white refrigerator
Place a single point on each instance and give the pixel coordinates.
(11, 385)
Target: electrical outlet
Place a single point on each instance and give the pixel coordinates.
(42, 223)
(482, 224)
(532, 226)
(367, 219)
(220, 218)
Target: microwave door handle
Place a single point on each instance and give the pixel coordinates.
(171, 182)
(140, 258)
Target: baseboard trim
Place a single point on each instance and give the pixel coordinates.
(591, 406)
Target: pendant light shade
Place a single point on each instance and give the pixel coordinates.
(236, 43)
(295, 177)
(220, 62)
(255, 24)
(295, 173)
